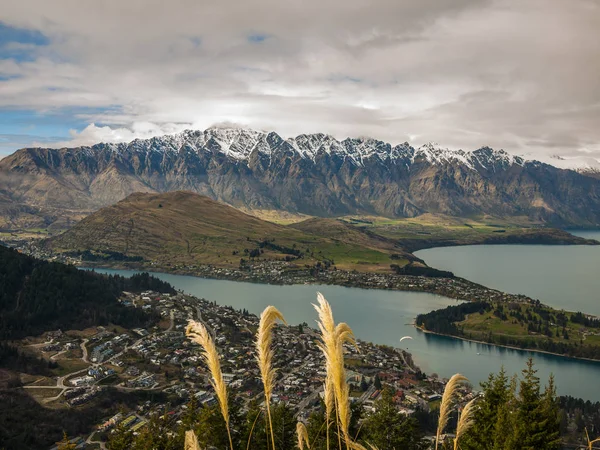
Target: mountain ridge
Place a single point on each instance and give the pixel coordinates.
(312, 174)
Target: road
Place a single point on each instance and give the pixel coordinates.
(84, 350)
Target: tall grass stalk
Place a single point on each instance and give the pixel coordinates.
(191, 441)
(302, 434)
(447, 403)
(590, 442)
(465, 421)
(329, 398)
(264, 355)
(332, 345)
(198, 333)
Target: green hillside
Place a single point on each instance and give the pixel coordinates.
(182, 228)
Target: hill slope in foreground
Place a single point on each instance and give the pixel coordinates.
(183, 228)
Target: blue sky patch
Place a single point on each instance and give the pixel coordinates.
(257, 38)
(20, 44)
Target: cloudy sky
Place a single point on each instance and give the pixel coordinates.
(523, 75)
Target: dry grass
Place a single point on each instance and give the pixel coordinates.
(465, 421)
(198, 333)
(332, 342)
(264, 355)
(302, 434)
(191, 441)
(447, 404)
(590, 442)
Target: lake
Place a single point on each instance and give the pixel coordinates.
(563, 276)
(383, 317)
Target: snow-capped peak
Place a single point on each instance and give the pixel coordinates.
(240, 143)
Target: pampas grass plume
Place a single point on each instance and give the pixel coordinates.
(264, 355)
(465, 421)
(447, 403)
(302, 434)
(191, 441)
(198, 333)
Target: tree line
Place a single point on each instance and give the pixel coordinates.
(38, 296)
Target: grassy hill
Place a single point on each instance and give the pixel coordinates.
(434, 230)
(178, 228)
(527, 325)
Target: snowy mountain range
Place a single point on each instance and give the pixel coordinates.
(312, 173)
(239, 144)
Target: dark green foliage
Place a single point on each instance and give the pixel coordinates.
(25, 425)
(389, 429)
(585, 321)
(586, 414)
(508, 418)
(102, 255)
(421, 271)
(317, 432)
(443, 320)
(37, 296)
(13, 359)
(256, 430)
(280, 248)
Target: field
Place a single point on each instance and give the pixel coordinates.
(430, 230)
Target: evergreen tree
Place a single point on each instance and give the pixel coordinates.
(157, 435)
(377, 382)
(551, 416)
(363, 384)
(254, 432)
(388, 429)
(120, 439)
(506, 420)
(530, 420)
(495, 397)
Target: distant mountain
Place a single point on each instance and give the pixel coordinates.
(312, 174)
(178, 229)
(594, 173)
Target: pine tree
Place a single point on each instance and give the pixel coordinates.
(496, 393)
(551, 417)
(503, 436)
(377, 382)
(254, 433)
(120, 439)
(388, 429)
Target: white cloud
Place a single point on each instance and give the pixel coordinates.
(465, 73)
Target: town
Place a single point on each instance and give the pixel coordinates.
(161, 359)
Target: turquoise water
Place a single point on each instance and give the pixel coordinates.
(383, 317)
(565, 276)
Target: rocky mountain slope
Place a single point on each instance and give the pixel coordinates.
(312, 174)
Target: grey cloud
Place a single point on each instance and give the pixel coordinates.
(465, 73)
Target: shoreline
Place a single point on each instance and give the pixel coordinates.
(459, 289)
(511, 347)
(367, 286)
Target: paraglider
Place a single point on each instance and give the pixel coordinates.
(405, 337)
